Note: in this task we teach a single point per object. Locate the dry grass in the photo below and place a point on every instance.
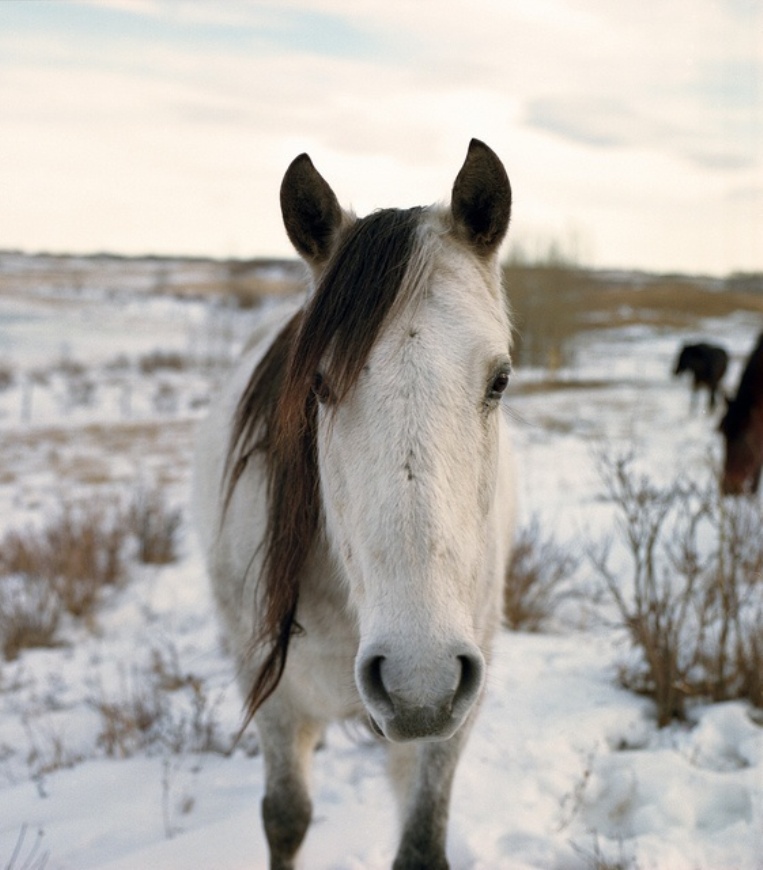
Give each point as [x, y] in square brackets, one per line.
[7, 376]
[155, 527]
[553, 303]
[76, 554]
[131, 721]
[48, 751]
[160, 707]
[30, 612]
[66, 564]
[163, 360]
[676, 302]
[554, 384]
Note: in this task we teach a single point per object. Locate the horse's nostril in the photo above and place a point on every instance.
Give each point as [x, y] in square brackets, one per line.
[396, 689]
[373, 682]
[472, 670]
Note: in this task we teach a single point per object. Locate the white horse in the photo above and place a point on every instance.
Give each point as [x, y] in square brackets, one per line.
[354, 495]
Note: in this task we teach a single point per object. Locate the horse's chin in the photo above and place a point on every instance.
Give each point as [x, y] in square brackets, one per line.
[419, 725]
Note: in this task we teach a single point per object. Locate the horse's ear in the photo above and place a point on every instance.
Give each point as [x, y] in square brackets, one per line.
[311, 212]
[481, 200]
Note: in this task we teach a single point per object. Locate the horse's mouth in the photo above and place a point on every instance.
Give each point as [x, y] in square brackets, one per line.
[419, 724]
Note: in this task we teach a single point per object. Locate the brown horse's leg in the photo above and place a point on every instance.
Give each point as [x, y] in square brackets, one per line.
[286, 807]
[424, 777]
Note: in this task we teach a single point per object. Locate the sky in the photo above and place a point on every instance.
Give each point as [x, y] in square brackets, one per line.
[632, 132]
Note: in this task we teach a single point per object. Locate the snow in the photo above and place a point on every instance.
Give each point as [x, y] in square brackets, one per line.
[564, 768]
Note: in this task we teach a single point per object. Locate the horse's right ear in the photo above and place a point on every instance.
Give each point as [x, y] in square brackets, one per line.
[311, 212]
[481, 200]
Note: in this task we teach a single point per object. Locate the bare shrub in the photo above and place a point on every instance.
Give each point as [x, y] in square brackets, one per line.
[7, 377]
[30, 612]
[155, 526]
[48, 751]
[196, 728]
[65, 564]
[731, 651]
[192, 724]
[78, 553]
[166, 671]
[693, 604]
[78, 385]
[131, 721]
[80, 392]
[535, 578]
[158, 708]
[118, 365]
[162, 360]
[70, 368]
[165, 399]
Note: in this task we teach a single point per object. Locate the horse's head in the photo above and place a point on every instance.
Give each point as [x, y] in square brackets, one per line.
[406, 342]
[683, 362]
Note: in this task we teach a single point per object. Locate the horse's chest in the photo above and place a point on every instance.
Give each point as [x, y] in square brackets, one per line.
[321, 662]
[320, 669]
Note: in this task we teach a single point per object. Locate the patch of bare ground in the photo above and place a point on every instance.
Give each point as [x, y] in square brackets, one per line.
[246, 282]
[99, 453]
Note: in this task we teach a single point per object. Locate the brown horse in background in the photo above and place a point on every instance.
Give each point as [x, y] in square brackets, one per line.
[742, 429]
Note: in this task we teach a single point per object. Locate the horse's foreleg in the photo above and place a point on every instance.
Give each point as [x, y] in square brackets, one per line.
[286, 808]
[423, 776]
[694, 397]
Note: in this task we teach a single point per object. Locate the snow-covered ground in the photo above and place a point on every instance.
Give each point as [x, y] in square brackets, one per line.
[564, 768]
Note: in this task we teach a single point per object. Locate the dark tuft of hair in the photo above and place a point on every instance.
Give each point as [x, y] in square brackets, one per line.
[275, 420]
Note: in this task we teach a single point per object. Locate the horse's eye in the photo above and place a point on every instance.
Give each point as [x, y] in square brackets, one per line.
[499, 384]
[321, 388]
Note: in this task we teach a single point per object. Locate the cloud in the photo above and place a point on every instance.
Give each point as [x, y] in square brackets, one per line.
[601, 122]
[204, 103]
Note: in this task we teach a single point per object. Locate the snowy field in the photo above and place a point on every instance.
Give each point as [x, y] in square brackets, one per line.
[565, 770]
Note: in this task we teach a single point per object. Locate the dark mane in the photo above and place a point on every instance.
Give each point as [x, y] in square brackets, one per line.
[276, 414]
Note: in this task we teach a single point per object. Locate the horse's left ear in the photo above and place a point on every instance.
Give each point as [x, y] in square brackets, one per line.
[311, 213]
[481, 200]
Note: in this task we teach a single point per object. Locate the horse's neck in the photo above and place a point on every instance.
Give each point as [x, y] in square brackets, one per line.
[757, 379]
[756, 419]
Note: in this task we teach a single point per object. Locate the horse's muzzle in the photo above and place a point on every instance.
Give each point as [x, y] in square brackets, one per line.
[409, 701]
